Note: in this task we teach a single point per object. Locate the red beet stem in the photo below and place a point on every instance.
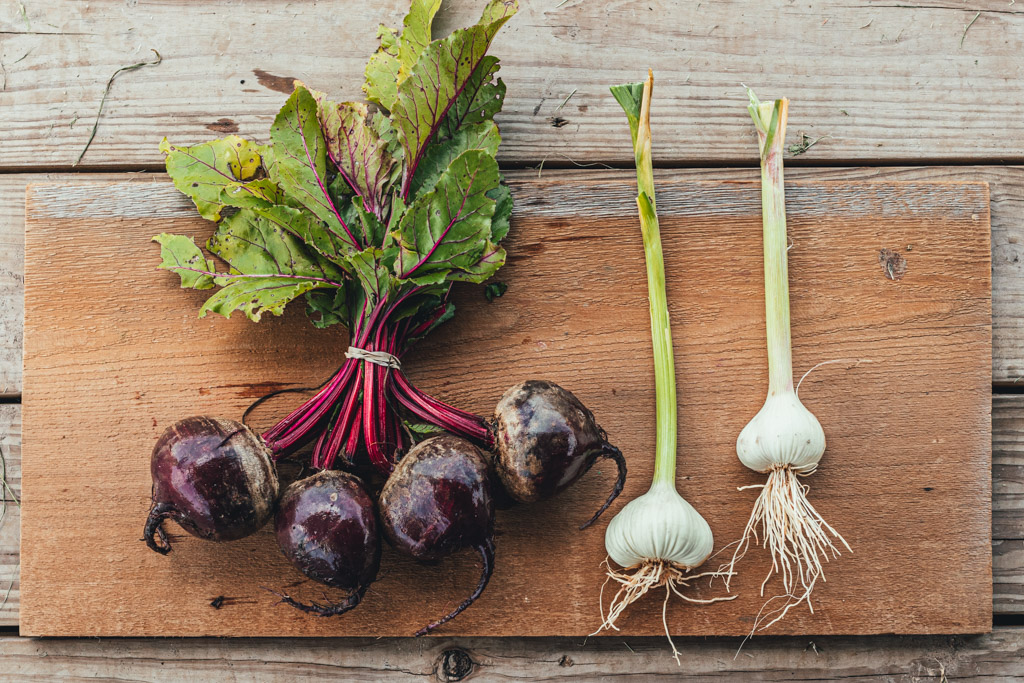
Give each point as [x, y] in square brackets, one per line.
[360, 403]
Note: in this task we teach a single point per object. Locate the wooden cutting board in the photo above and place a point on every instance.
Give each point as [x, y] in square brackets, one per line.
[114, 352]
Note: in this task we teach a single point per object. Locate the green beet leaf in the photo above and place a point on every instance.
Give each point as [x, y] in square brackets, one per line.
[314, 233]
[415, 34]
[216, 174]
[381, 85]
[351, 206]
[438, 78]
[327, 307]
[500, 222]
[449, 227]
[358, 153]
[480, 100]
[440, 155]
[181, 255]
[300, 153]
[255, 295]
[253, 245]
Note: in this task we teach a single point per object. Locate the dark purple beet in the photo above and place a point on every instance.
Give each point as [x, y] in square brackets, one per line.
[437, 502]
[545, 439]
[214, 477]
[327, 527]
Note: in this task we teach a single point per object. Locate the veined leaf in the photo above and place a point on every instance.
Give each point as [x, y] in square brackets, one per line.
[373, 271]
[327, 307]
[500, 222]
[479, 101]
[440, 155]
[255, 295]
[381, 85]
[415, 34]
[253, 245]
[181, 255]
[438, 78]
[397, 55]
[312, 231]
[449, 227]
[363, 224]
[214, 174]
[492, 258]
[356, 150]
[301, 160]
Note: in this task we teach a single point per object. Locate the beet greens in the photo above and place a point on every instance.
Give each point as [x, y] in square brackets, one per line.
[370, 213]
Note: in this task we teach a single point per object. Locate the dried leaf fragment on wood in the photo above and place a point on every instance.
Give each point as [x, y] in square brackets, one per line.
[806, 142]
[968, 27]
[103, 100]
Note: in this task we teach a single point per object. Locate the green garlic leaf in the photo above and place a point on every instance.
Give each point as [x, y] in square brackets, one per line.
[630, 96]
[325, 307]
[214, 174]
[440, 155]
[449, 227]
[255, 295]
[181, 255]
[381, 85]
[479, 101]
[301, 160]
[253, 245]
[438, 78]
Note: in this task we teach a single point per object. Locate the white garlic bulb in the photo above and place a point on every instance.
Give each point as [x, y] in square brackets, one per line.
[659, 525]
[783, 432]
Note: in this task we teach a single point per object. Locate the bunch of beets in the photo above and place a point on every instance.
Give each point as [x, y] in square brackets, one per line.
[370, 213]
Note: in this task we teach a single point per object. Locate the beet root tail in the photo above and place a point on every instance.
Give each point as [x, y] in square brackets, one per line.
[154, 528]
[326, 609]
[486, 551]
[612, 453]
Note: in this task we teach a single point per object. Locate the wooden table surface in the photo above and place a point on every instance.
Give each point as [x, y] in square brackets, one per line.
[895, 90]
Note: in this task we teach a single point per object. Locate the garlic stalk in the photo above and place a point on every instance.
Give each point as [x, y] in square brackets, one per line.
[784, 439]
[659, 537]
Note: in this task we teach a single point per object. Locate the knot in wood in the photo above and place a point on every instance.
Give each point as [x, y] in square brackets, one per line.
[454, 665]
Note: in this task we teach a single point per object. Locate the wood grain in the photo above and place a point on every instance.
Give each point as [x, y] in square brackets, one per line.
[883, 81]
[10, 558]
[123, 354]
[1007, 207]
[889, 659]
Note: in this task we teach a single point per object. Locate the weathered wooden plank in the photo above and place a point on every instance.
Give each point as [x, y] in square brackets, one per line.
[12, 279]
[882, 80]
[574, 310]
[10, 518]
[1007, 207]
[888, 659]
[1007, 506]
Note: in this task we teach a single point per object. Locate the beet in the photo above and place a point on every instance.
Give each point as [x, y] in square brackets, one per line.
[545, 439]
[327, 527]
[437, 502]
[213, 477]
